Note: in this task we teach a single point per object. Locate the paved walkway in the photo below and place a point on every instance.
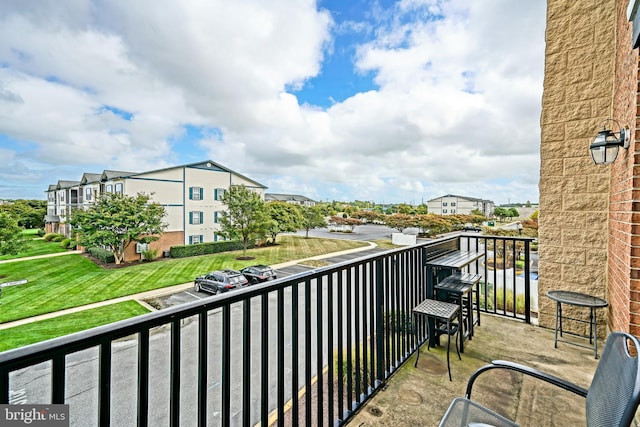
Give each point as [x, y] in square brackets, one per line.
[149, 294]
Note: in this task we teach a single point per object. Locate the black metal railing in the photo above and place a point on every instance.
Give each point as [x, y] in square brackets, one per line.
[304, 350]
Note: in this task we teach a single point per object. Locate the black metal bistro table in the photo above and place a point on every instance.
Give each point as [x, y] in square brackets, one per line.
[444, 312]
[445, 265]
[580, 300]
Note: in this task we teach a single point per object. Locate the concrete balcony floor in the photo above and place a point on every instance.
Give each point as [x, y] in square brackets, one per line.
[420, 396]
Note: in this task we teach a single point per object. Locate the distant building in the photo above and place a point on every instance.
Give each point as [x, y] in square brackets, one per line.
[452, 205]
[294, 199]
[191, 195]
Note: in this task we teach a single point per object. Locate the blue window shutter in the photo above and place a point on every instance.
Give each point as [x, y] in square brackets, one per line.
[201, 194]
[190, 217]
[191, 240]
[190, 193]
[215, 217]
[215, 194]
[201, 238]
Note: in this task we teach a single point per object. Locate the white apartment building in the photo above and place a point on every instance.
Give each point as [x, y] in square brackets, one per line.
[294, 199]
[189, 193]
[452, 205]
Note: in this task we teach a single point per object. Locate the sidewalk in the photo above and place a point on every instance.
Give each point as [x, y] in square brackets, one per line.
[149, 294]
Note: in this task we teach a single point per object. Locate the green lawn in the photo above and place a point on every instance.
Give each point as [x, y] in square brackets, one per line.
[69, 281]
[42, 330]
[35, 246]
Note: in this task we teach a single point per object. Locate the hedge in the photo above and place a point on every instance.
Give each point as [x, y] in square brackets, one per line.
[50, 236]
[102, 254]
[207, 248]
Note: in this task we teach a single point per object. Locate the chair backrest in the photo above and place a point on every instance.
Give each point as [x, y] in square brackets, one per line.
[614, 394]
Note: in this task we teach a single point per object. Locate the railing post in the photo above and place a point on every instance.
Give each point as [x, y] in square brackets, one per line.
[379, 313]
[527, 282]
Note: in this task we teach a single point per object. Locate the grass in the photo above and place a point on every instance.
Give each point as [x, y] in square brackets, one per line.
[19, 336]
[69, 281]
[35, 246]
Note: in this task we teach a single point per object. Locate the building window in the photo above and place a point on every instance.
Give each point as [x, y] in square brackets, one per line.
[88, 193]
[195, 217]
[119, 188]
[141, 247]
[216, 217]
[444, 211]
[453, 211]
[195, 239]
[218, 193]
[444, 203]
[195, 193]
[453, 203]
[109, 188]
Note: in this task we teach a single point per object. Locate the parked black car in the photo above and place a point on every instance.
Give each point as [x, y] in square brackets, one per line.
[220, 281]
[259, 273]
[471, 227]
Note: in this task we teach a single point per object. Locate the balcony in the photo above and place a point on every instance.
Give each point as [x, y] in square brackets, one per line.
[310, 349]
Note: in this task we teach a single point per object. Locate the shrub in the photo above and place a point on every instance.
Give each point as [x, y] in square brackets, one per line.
[102, 254]
[40, 232]
[65, 243]
[50, 236]
[149, 254]
[184, 251]
[59, 238]
[73, 244]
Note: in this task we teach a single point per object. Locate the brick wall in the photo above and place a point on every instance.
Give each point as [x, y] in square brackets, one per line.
[624, 225]
[168, 239]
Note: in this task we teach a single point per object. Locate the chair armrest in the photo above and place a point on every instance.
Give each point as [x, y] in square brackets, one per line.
[502, 364]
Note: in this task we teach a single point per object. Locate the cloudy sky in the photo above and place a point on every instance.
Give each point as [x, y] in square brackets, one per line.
[387, 101]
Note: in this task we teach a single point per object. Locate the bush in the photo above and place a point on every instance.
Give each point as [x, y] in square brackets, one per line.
[149, 254]
[184, 251]
[59, 238]
[65, 243]
[50, 236]
[40, 232]
[102, 254]
[73, 245]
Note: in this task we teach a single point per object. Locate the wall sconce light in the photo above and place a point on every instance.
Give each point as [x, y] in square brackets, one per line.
[605, 146]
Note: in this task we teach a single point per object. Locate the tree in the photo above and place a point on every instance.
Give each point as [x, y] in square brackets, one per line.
[115, 221]
[312, 218]
[283, 218]
[28, 213]
[246, 217]
[11, 240]
[501, 213]
[513, 213]
[422, 209]
[405, 209]
[401, 221]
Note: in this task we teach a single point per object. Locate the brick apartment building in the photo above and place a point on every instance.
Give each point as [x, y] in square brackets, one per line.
[189, 193]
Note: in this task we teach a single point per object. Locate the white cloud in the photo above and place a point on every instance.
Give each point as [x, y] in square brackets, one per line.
[457, 107]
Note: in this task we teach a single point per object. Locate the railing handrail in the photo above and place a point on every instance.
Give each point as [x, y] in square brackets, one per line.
[395, 278]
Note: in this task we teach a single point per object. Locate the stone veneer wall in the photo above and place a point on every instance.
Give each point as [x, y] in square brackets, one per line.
[574, 193]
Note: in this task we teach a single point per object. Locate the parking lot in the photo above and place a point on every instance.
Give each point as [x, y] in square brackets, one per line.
[285, 271]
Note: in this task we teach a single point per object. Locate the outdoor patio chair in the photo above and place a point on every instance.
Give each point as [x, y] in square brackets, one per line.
[611, 400]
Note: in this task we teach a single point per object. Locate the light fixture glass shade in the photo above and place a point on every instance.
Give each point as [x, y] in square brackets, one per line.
[604, 155]
[605, 146]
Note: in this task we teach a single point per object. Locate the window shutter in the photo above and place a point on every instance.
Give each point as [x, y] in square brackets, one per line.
[190, 217]
[201, 194]
[215, 217]
[191, 240]
[215, 194]
[190, 193]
